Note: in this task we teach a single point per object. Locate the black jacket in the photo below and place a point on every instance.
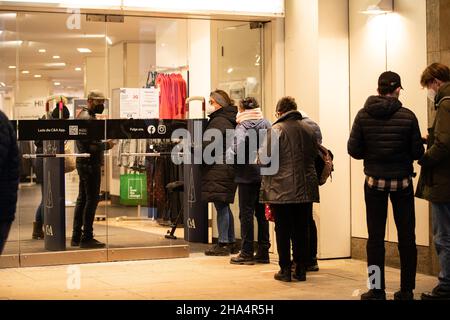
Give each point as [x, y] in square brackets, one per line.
[434, 182]
[387, 137]
[94, 147]
[218, 179]
[296, 180]
[9, 169]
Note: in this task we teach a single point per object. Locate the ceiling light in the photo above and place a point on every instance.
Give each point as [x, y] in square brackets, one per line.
[55, 64]
[230, 70]
[383, 7]
[2, 84]
[77, 69]
[57, 83]
[56, 57]
[84, 50]
[37, 76]
[25, 72]
[12, 67]
[94, 36]
[42, 50]
[109, 41]
[1, 31]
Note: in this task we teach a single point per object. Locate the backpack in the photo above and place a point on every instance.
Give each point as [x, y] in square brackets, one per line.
[324, 164]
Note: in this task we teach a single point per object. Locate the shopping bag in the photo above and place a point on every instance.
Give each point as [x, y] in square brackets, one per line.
[270, 213]
[133, 189]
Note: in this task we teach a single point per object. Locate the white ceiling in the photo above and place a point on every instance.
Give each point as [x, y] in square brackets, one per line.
[49, 31]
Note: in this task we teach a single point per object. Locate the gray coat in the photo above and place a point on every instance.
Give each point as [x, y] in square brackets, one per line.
[296, 180]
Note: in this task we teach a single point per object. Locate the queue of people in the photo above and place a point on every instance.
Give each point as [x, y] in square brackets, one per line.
[385, 135]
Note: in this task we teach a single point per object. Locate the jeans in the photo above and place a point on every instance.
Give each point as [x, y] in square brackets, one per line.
[225, 222]
[5, 226]
[291, 225]
[248, 206]
[441, 235]
[87, 201]
[405, 221]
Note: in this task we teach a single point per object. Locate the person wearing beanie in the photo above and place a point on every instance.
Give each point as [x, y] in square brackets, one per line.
[250, 125]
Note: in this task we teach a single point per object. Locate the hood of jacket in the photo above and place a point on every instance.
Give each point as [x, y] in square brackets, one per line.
[444, 91]
[254, 124]
[228, 112]
[382, 107]
[291, 115]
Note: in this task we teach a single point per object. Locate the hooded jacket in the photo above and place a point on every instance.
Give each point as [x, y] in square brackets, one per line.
[434, 181]
[9, 170]
[296, 180]
[248, 172]
[387, 137]
[218, 179]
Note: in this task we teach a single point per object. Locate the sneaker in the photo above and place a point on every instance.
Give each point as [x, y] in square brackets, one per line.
[243, 259]
[374, 294]
[218, 249]
[283, 275]
[404, 295]
[438, 293]
[262, 257]
[91, 244]
[313, 268]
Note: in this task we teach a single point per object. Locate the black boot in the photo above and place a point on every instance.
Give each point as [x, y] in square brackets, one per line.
[38, 233]
[374, 294]
[283, 275]
[76, 238]
[300, 273]
[262, 256]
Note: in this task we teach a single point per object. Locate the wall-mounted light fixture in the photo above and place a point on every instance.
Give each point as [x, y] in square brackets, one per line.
[383, 7]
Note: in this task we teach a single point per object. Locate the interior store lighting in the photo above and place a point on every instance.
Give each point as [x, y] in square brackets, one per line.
[383, 7]
[56, 57]
[25, 72]
[12, 67]
[57, 83]
[42, 50]
[84, 50]
[2, 84]
[55, 64]
[77, 69]
[37, 76]
[109, 41]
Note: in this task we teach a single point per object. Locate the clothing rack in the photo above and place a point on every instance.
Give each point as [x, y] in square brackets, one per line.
[162, 69]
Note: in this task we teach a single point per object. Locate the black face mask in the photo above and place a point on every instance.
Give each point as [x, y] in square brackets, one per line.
[99, 108]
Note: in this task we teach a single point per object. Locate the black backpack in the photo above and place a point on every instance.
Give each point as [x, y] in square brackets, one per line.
[324, 165]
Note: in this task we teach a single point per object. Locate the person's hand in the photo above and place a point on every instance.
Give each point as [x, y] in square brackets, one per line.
[425, 139]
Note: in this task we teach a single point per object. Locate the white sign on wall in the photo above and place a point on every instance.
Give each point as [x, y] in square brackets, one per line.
[149, 103]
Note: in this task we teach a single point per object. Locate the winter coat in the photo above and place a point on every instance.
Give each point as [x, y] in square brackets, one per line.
[248, 172]
[218, 179]
[296, 180]
[94, 147]
[434, 181]
[9, 169]
[387, 137]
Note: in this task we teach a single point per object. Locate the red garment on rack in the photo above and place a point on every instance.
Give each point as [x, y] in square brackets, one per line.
[172, 96]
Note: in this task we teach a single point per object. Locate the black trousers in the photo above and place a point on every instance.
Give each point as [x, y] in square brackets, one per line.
[291, 226]
[87, 201]
[312, 238]
[249, 206]
[5, 227]
[405, 221]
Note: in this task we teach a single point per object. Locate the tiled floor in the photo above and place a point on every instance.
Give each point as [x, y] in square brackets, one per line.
[197, 277]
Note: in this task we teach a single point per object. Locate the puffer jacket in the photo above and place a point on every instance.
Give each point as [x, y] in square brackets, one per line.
[9, 170]
[218, 179]
[434, 181]
[296, 180]
[387, 137]
[94, 147]
[248, 172]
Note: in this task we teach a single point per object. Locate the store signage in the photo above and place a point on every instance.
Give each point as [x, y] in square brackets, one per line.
[143, 128]
[268, 8]
[61, 129]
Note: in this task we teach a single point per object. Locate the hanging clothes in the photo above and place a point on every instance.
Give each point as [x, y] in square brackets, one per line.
[172, 96]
